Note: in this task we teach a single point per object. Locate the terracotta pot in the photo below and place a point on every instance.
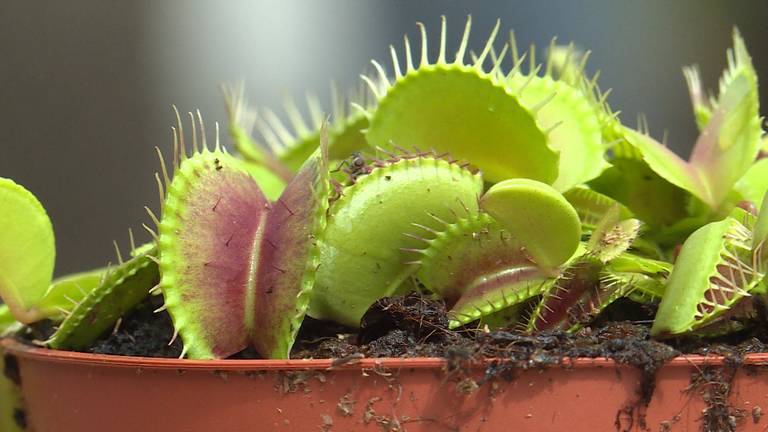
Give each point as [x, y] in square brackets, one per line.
[69, 391]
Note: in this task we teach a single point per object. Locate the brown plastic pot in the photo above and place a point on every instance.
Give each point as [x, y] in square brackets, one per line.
[69, 391]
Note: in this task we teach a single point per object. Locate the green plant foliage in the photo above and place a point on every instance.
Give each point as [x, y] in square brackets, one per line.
[575, 129]
[730, 137]
[120, 289]
[236, 268]
[480, 270]
[27, 222]
[326, 215]
[544, 222]
[715, 269]
[634, 184]
[68, 290]
[463, 109]
[612, 235]
[292, 146]
[27, 251]
[10, 393]
[592, 206]
[371, 229]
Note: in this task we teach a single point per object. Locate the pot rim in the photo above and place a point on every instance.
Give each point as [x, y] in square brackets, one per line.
[20, 349]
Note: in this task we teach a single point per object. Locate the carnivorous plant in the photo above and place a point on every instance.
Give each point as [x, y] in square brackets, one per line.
[505, 186]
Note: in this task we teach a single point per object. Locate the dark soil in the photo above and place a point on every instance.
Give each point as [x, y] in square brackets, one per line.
[141, 333]
[417, 326]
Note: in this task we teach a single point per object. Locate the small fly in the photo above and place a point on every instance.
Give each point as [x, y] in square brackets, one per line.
[356, 166]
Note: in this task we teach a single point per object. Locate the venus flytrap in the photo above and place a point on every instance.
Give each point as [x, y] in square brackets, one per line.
[236, 267]
[716, 269]
[282, 148]
[485, 264]
[553, 203]
[480, 269]
[465, 109]
[119, 289]
[569, 114]
[27, 252]
[378, 222]
[82, 305]
[602, 274]
[730, 134]
[676, 197]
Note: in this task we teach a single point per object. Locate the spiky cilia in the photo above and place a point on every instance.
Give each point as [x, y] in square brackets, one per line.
[459, 108]
[282, 149]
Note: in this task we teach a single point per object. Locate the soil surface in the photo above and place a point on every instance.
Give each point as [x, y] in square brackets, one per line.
[417, 326]
[141, 333]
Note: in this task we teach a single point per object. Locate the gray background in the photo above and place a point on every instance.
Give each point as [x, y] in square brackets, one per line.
[87, 84]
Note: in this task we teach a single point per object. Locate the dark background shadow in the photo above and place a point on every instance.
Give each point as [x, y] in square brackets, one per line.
[87, 85]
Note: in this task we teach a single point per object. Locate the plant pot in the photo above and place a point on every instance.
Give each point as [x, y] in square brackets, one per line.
[70, 391]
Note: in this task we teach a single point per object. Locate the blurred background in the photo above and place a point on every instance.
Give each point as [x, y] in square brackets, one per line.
[87, 84]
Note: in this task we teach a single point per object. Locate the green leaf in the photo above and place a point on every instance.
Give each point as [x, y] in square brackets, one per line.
[68, 290]
[119, 290]
[27, 251]
[754, 184]
[463, 109]
[633, 183]
[669, 166]
[479, 270]
[713, 271]
[761, 225]
[538, 216]
[377, 224]
[728, 144]
[612, 236]
[575, 127]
